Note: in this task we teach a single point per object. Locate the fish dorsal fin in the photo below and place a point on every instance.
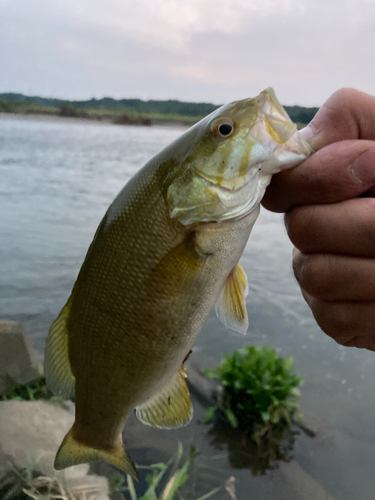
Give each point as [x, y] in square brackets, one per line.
[59, 377]
[171, 407]
[231, 304]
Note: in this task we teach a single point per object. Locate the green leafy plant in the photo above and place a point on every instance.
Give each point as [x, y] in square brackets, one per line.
[259, 392]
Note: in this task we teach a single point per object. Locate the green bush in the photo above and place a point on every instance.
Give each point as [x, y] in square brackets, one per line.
[259, 390]
[4, 107]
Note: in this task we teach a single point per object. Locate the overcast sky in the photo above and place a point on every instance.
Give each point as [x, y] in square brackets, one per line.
[192, 50]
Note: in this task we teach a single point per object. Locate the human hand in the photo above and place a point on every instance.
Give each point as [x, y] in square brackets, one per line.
[332, 229]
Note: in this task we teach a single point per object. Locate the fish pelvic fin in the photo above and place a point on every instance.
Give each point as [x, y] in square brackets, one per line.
[171, 408]
[231, 305]
[72, 452]
[59, 376]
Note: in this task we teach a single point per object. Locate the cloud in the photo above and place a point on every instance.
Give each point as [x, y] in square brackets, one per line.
[193, 50]
[163, 22]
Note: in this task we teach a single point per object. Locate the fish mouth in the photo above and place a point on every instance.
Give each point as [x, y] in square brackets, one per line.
[214, 199]
[237, 197]
[229, 185]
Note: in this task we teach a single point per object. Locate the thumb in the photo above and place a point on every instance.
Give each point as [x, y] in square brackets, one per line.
[347, 114]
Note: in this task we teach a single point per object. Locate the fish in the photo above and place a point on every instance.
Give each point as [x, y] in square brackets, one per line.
[166, 252]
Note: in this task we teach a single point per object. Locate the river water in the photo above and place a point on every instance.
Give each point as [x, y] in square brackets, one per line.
[57, 178]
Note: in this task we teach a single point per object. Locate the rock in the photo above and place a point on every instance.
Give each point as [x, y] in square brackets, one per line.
[19, 363]
[30, 434]
[302, 483]
[204, 389]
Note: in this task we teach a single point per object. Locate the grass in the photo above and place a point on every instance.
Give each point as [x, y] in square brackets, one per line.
[31, 392]
[165, 480]
[259, 391]
[26, 484]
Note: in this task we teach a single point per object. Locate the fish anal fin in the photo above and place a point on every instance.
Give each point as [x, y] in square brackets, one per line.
[57, 369]
[231, 304]
[73, 452]
[171, 408]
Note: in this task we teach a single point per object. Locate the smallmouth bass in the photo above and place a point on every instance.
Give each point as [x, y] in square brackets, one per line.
[165, 253]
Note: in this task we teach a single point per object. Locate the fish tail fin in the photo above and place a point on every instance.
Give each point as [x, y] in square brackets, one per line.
[72, 452]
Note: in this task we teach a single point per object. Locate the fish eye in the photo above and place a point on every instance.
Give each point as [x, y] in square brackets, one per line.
[223, 128]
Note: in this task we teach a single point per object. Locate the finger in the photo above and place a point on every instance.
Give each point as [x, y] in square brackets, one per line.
[347, 227]
[332, 277]
[347, 114]
[338, 172]
[348, 323]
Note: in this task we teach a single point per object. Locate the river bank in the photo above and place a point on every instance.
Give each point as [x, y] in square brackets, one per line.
[100, 118]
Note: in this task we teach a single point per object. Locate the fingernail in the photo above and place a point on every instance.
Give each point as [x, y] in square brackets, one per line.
[361, 168]
[307, 133]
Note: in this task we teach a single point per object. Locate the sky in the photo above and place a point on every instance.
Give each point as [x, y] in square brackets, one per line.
[192, 50]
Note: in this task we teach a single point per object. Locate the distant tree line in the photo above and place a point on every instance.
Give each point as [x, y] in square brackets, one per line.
[171, 107]
[299, 114]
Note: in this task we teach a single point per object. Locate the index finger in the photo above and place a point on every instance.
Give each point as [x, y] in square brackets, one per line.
[342, 133]
[338, 172]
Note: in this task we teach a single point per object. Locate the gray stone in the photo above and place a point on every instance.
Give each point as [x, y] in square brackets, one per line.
[19, 363]
[30, 434]
[300, 482]
[205, 390]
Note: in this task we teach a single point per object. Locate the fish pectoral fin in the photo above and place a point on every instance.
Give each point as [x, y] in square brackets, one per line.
[231, 304]
[59, 376]
[178, 269]
[72, 452]
[170, 408]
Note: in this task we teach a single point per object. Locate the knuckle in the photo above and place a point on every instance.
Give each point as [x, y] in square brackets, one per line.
[313, 273]
[369, 230]
[298, 223]
[334, 319]
[361, 342]
[348, 323]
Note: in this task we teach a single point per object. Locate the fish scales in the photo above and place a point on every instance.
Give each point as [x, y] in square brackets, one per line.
[165, 253]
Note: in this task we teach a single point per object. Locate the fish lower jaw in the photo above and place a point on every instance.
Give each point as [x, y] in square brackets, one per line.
[241, 211]
[234, 212]
[251, 199]
[225, 204]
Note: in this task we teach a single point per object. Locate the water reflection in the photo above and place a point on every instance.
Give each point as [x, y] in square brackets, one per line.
[245, 454]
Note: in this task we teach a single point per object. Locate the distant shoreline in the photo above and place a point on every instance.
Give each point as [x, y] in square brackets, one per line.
[124, 111]
[47, 118]
[75, 119]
